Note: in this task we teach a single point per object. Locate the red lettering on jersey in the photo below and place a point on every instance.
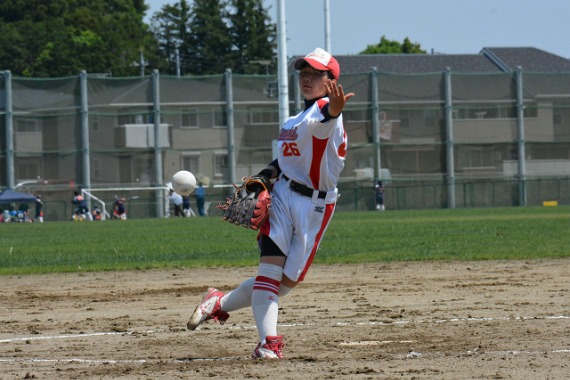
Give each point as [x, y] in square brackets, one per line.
[288, 134]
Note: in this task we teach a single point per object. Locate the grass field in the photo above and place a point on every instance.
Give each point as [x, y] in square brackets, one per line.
[353, 237]
[443, 294]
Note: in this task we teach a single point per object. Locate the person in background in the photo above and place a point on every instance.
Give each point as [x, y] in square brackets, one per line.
[39, 209]
[119, 208]
[200, 194]
[379, 194]
[81, 211]
[96, 213]
[186, 211]
[23, 213]
[14, 216]
[176, 200]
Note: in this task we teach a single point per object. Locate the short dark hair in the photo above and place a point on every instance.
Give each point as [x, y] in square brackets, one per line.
[306, 64]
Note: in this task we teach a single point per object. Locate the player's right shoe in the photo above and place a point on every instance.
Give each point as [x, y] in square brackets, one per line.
[272, 349]
[209, 308]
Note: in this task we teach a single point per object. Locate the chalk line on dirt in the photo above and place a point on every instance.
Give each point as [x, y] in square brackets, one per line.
[71, 336]
[370, 323]
[111, 361]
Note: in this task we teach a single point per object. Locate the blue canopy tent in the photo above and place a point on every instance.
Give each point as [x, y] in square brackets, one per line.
[11, 196]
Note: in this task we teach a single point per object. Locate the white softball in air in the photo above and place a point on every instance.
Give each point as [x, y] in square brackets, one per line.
[183, 182]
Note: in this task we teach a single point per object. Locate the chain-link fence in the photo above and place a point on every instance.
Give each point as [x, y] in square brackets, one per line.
[437, 140]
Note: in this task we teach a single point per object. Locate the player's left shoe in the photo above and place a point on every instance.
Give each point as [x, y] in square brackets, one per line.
[272, 349]
[209, 308]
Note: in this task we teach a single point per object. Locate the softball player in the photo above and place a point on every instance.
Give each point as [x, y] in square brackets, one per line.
[312, 149]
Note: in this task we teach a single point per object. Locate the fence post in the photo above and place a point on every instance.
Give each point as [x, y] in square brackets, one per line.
[157, 144]
[449, 141]
[85, 152]
[375, 124]
[520, 139]
[230, 121]
[10, 177]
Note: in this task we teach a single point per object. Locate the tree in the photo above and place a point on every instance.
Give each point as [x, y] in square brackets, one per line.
[171, 29]
[212, 36]
[209, 39]
[394, 47]
[253, 37]
[60, 38]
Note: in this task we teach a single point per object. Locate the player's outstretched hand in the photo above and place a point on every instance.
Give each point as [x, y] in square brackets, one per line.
[337, 98]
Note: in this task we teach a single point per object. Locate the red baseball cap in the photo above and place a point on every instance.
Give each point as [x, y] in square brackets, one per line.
[320, 60]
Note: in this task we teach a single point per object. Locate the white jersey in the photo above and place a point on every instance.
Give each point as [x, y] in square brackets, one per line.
[315, 160]
[312, 151]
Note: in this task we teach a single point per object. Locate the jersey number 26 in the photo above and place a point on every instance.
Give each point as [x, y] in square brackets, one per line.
[290, 149]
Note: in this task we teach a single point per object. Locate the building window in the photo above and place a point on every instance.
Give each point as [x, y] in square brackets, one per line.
[142, 167]
[95, 122]
[498, 111]
[358, 114]
[556, 117]
[477, 157]
[135, 118]
[506, 112]
[272, 89]
[263, 116]
[404, 118]
[430, 118]
[221, 164]
[530, 110]
[28, 168]
[27, 125]
[190, 162]
[220, 118]
[96, 168]
[189, 118]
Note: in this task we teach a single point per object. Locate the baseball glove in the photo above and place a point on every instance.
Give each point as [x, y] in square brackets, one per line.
[250, 203]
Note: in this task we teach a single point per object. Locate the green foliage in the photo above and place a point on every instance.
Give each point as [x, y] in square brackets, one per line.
[170, 29]
[61, 38]
[386, 46]
[472, 234]
[253, 37]
[212, 36]
[209, 39]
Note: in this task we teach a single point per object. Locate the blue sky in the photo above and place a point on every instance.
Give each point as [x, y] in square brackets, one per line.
[441, 26]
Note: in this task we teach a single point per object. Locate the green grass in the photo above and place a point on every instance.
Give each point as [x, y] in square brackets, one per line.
[472, 234]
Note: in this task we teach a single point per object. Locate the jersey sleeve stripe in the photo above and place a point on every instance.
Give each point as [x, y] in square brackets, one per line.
[319, 146]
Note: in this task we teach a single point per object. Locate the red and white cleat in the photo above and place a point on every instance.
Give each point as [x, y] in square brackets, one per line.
[209, 308]
[272, 349]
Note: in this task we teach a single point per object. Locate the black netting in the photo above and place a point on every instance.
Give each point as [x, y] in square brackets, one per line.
[123, 134]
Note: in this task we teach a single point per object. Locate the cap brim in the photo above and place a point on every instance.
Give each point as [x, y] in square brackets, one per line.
[314, 64]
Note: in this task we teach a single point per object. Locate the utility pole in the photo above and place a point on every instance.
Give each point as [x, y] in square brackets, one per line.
[141, 63]
[282, 64]
[328, 26]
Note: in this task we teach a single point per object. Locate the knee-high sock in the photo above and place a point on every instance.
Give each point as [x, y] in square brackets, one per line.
[265, 299]
[240, 297]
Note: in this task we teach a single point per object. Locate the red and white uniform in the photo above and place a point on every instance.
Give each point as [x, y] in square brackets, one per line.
[312, 151]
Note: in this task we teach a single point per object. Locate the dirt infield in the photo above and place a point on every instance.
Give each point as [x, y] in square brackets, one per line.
[444, 320]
